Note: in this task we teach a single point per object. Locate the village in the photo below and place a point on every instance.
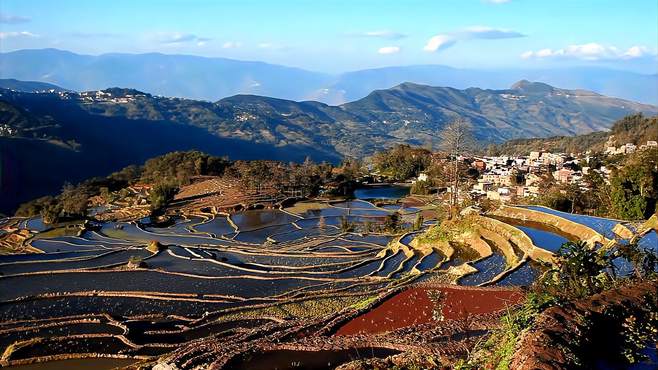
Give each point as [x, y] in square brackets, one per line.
[507, 178]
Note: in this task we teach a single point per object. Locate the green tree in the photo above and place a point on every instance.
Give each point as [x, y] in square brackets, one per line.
[581, 271]
[74, 200]
[402, 162]
[634, 186]
[160, 195]
[51, 212]
[418, 223]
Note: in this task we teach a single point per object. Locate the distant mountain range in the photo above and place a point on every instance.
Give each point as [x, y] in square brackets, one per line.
[49, 138]
[211, 79]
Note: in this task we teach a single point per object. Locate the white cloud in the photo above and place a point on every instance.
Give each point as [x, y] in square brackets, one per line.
[637, 52]
[15, 34]
[389, 50]
[497, 1]
[13, 19]
[439, 42]
[591, 51]
[446, 40]
[231, 45]
[271, 46]
[382, 34]
[177, 38]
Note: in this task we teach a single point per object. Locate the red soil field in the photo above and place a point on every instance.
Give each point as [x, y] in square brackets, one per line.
[414, 306]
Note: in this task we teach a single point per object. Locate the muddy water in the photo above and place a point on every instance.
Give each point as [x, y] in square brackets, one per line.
[309, 360]
[543, 236]
[423, 305]
[256, 219]
[78, 364]
[601, 225]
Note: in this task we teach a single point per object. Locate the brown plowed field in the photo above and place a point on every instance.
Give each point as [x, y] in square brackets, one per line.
[423, 305]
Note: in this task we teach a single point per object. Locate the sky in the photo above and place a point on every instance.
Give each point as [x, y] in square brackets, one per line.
[342, 35]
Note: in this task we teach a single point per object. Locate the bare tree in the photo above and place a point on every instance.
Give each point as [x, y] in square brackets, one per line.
[456, 140]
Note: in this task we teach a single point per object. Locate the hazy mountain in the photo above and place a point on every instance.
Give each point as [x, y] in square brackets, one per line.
[215, 78]
[28, 86]
[623, 84]
[47, 138]
[169, 75]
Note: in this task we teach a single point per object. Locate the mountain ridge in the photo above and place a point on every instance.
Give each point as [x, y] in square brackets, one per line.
[213, 78]
[43, 134]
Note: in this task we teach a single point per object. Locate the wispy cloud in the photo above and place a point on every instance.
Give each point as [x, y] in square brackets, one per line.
[17, 34]
[13, 19]
[591, 51]
[93, 35]
[177, 38]
[389, 50]
[381, 34]
[446, 40]
[231, 45]
[496, 1]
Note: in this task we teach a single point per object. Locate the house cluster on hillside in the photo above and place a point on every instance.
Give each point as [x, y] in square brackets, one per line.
[506, 177]
[627, 148]
[102, 96]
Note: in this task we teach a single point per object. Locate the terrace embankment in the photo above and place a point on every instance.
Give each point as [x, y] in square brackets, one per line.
[516, 236]
[221, 194]
[577, 334]
[579, 231]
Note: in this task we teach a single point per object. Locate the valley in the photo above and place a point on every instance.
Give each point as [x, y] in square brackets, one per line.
[51, 130]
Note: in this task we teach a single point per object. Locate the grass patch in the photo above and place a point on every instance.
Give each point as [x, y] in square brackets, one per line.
[63, 229]
[364, 303]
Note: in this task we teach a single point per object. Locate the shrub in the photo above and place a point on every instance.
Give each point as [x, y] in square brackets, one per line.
[154, 246]
[420, 188]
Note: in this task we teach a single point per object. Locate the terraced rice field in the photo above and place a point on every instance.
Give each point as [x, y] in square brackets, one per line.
[207, 266]
[104, 292]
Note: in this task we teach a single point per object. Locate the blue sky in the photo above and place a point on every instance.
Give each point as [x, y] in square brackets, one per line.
[342, 35]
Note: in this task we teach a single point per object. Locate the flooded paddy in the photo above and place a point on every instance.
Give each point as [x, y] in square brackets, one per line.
[311, 360]
[488, 268]
[226, 275]
[382, 192]
[599, 224]
[541, 235]
[523, 276]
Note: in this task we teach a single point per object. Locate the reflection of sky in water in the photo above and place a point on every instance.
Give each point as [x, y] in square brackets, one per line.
[525, 276]
[382, 192]
[430, 261]
[649, 241]
[488, 268]
[601, 225]
[543, 239]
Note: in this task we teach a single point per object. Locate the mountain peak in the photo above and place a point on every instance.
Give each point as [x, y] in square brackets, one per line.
[532, 87]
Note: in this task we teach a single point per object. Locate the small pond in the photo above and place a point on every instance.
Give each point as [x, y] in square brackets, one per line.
[382, 192]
